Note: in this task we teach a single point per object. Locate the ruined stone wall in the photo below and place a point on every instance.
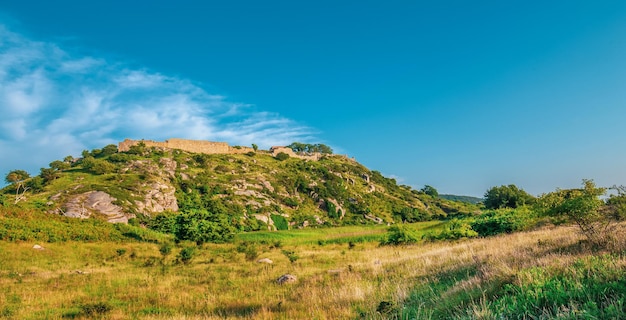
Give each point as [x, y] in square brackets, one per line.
[196, 146]
[209, 147]
[307, 156]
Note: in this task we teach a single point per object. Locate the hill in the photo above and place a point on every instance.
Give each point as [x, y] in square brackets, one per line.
[233, 188]
[467, 199]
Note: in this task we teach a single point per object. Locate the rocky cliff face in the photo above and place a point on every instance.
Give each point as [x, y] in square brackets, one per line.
[91, 203]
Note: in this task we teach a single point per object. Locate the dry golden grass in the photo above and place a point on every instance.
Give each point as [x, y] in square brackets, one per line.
[66, 280]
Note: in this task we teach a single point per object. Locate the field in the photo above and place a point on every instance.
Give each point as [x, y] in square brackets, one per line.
[342, 273]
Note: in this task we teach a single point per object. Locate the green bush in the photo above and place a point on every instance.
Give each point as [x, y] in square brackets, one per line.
[165, 249]
[399, 235]
[97, 166]
[187, 254]
[502, 221]
[249, 249]
[95, 309]
[281, 156]
[456, 229]
[291, 255]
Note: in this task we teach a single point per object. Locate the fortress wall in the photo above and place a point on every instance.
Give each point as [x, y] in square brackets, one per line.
[209, 147]
[196, 146]
[240, 150]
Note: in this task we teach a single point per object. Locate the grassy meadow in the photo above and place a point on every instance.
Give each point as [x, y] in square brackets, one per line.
[343, 273]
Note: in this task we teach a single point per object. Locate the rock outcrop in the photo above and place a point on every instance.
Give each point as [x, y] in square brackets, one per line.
[158, 198]
[94, 202]
[286, 278]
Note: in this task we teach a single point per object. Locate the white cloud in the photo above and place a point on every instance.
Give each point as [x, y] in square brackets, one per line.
[54, 104]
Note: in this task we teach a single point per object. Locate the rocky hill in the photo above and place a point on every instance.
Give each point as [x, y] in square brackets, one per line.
[255, 190]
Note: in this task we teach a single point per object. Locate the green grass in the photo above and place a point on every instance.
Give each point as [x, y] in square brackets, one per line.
[18, 224]
[591, 288]
[339, 235]
[541, 274]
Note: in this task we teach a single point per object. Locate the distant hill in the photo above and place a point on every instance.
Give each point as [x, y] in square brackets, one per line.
[466, 199]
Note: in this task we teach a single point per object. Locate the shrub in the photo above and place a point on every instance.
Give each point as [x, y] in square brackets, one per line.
[95, 309]
[97, 166]
[165, 249]
[584, 208]
[456, 229]
[249, 249]
[281, 156]
[222, 168]
[502, 221]
[400, 234]
[507, 197]
[291, 255]
[186, 255]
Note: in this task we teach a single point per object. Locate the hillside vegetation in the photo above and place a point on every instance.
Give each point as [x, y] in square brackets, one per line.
[230, 193]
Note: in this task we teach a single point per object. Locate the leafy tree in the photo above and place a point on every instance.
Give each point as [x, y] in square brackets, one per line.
[97, 166]
[616, 203]
[305, 147]
[583, 207]
[255, 147]
[108, 150]
[59, 165]
[507, 197]
[48, 174]
[16, 176]
[430, 190]
[138, 149]
[202, 226]
[297, 147]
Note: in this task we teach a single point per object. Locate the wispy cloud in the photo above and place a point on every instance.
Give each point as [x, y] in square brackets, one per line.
[55, 103]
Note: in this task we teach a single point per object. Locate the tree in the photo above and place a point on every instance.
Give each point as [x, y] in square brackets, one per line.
[431, 191]
[16, 176]
[97, 166]
[583, 207]
[310, 148]
[59, 165]
[108, 150]
[617, 202]
[507, 197]
[255, 147]
[48, 174]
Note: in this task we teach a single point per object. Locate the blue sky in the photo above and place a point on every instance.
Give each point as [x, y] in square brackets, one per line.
[460, 95]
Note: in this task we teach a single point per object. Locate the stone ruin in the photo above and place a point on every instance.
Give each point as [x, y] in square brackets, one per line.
[210, 147]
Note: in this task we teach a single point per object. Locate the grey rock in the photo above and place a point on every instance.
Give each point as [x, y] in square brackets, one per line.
[286, 278]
